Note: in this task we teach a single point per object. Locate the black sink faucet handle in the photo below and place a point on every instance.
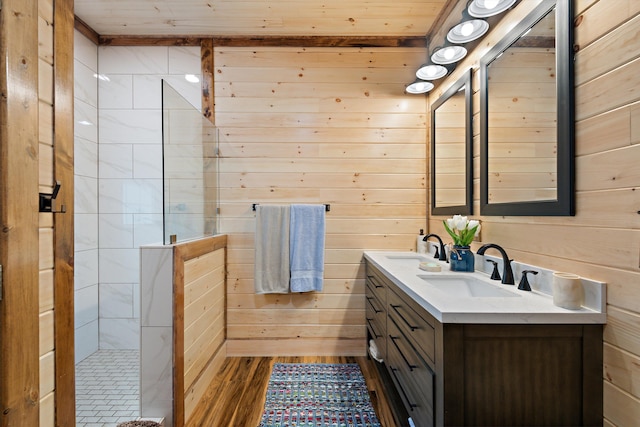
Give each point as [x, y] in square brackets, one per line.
[524, 282]
[495, 275]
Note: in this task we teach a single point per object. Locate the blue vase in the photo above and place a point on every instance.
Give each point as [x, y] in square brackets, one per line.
[462, 259]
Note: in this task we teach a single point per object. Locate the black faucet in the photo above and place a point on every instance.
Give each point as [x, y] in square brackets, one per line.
[507, 273]
[442, 256]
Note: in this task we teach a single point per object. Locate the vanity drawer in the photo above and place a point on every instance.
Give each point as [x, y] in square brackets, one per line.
[412, 324]
[379, 338]
[374, 304]
[376, 285]
[412, 376]
[376, 321]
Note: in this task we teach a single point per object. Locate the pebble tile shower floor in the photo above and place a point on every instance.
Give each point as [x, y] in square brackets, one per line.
[108, 388]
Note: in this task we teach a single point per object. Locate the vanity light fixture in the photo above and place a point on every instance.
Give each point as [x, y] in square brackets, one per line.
[419, 86]
[448, 54]
[486, 8]
[469, 29]
[431, 71]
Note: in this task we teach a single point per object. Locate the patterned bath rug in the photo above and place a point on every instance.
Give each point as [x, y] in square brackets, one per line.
[317, 395]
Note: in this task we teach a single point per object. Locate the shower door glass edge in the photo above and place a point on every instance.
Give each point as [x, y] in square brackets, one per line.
[189, 170]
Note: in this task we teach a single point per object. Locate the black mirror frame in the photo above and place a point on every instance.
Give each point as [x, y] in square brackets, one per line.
[467, 208]
[564, 205]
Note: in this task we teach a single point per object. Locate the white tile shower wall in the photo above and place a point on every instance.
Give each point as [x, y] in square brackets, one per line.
[86, 196]
[86, 338]
[156, 352]
[130, 173]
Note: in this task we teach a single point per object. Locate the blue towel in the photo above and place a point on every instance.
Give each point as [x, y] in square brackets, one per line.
[306, 247]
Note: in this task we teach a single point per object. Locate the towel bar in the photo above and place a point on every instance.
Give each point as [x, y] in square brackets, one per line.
[327, 207]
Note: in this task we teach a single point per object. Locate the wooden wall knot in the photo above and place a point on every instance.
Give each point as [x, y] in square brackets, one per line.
[578, 20]
[34, 397]
[32, 151]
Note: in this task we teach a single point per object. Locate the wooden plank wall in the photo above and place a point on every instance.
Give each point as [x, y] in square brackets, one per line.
[602, 241]
[45, 182]
[317, 125]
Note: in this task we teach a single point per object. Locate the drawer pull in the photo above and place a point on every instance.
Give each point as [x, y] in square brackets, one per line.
[406, 322]
[409, 365]
[375, 334]
[404, 393]
[370, 299]
[375, 282]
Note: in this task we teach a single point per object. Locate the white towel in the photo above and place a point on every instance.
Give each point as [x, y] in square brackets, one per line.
[271, 275]
[306, 247]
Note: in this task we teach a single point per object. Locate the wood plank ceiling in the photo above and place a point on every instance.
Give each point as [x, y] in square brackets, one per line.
[262, 18]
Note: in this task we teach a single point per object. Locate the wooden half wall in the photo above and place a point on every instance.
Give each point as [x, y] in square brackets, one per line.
[183, 321]
[200, 322]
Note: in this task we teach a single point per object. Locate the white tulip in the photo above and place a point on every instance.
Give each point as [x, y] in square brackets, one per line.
[460, 222]
[474, 223]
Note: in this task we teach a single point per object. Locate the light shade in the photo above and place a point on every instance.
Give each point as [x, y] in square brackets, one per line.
[419, 86]
[486, 8]
[467, 31]
[448, 54]
[431, 71]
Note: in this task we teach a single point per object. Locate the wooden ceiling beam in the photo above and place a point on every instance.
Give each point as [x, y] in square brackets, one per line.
[268, 41]
[86, 30]
[149, 41]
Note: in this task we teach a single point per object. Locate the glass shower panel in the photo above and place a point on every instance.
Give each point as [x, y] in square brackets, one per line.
[190, 169]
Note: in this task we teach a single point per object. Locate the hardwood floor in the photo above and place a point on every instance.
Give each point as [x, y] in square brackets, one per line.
[236, 396]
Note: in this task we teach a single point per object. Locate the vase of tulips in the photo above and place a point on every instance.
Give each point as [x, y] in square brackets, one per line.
[462, 230]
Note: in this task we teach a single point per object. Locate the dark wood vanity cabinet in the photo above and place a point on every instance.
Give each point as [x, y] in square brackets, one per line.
[485, 374]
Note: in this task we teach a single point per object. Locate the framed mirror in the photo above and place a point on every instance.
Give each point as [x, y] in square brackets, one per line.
[452, 150]
[527, 117]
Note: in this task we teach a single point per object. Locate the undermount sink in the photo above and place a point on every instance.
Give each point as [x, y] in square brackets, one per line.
[465, 286]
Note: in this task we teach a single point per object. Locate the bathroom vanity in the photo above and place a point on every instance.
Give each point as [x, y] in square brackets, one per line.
[494, 357]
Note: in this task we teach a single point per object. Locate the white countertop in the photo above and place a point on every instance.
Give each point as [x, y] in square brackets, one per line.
[520, 307]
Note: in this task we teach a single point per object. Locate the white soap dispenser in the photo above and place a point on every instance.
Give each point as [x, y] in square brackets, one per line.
[421, 245]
